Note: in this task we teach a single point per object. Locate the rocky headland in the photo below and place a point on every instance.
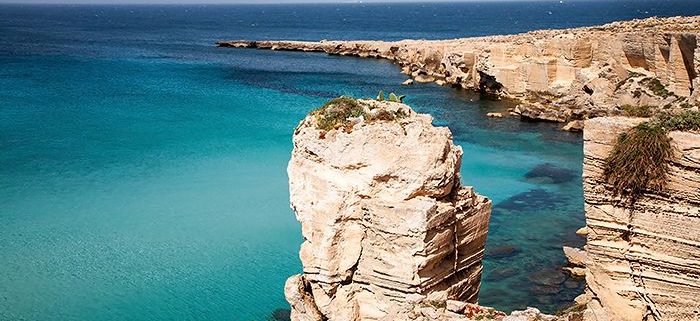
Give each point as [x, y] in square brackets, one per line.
[556, 75]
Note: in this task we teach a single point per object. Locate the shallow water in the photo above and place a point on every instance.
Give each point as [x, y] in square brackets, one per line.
[142, 170]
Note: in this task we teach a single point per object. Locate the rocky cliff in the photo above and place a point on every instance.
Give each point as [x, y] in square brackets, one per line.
[389, 231]
[558, 75]
[643, 258]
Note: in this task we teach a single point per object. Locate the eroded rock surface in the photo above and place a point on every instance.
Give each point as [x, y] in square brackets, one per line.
[389, 231]
[558, 75]
[643, 259]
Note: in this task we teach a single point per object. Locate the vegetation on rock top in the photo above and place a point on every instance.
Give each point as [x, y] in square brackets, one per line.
[640, 159]
[339, 113]
[335, 113]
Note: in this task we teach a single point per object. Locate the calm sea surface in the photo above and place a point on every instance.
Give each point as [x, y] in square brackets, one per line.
[142, 169]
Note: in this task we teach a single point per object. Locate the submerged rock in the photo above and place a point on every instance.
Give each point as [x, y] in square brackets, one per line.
[502, 251]
[551, 173]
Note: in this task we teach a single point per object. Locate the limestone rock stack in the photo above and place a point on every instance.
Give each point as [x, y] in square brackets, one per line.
[389, 231]
[643, 260]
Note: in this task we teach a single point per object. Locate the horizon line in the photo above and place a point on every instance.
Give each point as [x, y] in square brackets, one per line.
[274, 2]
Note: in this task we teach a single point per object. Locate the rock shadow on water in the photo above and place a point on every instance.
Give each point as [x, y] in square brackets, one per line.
[280, 314]
[549, 173]
[534, 199]
[500, 252]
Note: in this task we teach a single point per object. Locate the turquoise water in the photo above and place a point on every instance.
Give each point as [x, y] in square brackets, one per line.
[143, 171]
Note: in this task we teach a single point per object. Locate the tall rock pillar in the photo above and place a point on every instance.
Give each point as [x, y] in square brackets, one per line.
[387, 225]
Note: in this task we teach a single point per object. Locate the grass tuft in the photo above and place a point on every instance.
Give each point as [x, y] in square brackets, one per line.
[655, 85]
[637, 111]
[641, 156]
[639, 160]
[335, 113]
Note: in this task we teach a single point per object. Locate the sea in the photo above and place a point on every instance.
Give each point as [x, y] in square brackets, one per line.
[143, 169]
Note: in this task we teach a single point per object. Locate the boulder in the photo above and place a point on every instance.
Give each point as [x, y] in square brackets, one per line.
[576, 257]
[573, 126]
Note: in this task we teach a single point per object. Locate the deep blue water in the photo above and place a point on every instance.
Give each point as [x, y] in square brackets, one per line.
[142, 169]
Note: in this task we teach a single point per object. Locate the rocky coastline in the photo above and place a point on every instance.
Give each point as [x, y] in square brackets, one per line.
[555, 75]
[390, 232]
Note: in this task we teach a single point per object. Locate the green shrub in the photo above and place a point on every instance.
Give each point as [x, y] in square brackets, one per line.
[686, 120]
[639, 160]
[657, 87]
[637, 111]
[396, 98]
[336, 112]
[385, 115]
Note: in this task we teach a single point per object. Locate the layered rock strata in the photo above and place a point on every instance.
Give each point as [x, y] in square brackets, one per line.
[643, 258]
[558, 75]
[389, 231]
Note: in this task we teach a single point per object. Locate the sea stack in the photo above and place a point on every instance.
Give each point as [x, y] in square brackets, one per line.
[389, 231]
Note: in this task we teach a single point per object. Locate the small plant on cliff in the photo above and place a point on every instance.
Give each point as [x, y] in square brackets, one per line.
[640, 158]
[380, 96]
[335, 113]
[637, 111]
[392, 97]
[396, 98]
[657, 87]
[386, 115]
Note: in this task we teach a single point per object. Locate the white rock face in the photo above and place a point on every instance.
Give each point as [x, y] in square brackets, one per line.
[389, 231]
[643, 260]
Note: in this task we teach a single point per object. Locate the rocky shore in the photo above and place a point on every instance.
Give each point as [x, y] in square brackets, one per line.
[556, 75]
[390, 232]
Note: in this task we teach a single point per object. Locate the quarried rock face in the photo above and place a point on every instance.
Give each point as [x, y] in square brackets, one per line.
[389, 231]
[643, 259]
